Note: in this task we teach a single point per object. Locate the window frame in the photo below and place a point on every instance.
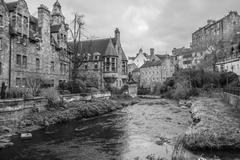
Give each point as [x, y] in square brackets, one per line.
[19, 60]
[24, 61]
[52, 67]
[1, 20]
[1, 43]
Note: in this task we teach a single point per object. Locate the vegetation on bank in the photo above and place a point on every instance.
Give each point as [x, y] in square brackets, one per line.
[215, 126]
[191, 82]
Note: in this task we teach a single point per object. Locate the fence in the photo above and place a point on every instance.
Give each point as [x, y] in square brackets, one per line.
[232, 90]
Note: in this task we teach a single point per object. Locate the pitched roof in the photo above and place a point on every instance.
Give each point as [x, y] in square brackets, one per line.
[131, 58]
[55, 28]
[151, 64]
[103, 46]
[136, 70]
[33, 20]
[12, 5]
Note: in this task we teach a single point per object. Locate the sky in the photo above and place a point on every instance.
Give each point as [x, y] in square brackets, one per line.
[159, 24]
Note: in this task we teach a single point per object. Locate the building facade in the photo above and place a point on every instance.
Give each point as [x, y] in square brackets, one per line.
[215, 31]
[183, 57]
[30, 46]
[231, 64]
[140, 58]
[105, 60]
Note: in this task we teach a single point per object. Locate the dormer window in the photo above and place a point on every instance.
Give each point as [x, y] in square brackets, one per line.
[96, 57]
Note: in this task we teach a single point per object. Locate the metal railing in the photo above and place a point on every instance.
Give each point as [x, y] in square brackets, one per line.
[232, 90]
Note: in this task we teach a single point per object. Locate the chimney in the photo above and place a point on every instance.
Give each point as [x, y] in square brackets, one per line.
[117, 34]
[151, 51]
[210, 21]
[44, 23]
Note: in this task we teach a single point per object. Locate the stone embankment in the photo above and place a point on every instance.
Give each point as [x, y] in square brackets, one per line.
[216, 126]
[35, 119]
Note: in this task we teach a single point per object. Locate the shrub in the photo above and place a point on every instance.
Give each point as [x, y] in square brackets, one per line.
[180, 92]
[53, 97]
[15, 93]
[143, 91]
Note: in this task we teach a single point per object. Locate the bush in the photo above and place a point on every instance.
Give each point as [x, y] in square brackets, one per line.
[143, 91]
[180, 92]
[53, 97]
[15, 93]
[73, 87]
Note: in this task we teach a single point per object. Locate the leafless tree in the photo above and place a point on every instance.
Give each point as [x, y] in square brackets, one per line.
[75, 55]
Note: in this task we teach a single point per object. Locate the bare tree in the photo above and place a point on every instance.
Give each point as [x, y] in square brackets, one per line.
[75, 55]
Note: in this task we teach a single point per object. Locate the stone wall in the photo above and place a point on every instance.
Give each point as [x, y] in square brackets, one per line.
[13, 111]
[232, 99]
[4, 49]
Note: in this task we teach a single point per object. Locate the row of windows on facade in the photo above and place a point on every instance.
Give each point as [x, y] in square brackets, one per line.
[154, 79]
[110, 65]
[22, 63]
[233, 68]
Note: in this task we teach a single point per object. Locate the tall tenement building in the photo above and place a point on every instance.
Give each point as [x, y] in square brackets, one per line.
[31, 46]
[222, 30]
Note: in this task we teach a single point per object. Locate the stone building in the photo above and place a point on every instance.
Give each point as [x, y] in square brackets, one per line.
[157, 70]
[184, 57]
[105, 60]
[31, 46]
[151, 73]
[139, 59]
[222, 30]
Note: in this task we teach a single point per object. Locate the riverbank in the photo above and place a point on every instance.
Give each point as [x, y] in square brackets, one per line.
[35, 119]
[216, 126]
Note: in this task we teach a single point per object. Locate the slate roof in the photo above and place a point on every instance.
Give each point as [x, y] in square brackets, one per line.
[12, 5]
[136, 70]
[33, 20]
[55, 28]
[151, 64]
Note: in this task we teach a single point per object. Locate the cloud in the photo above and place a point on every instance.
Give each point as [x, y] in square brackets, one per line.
[161, 24]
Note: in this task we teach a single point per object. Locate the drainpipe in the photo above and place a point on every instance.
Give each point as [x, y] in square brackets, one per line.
[10, 62]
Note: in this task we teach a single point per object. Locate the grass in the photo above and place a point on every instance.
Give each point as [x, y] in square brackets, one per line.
[218, 128]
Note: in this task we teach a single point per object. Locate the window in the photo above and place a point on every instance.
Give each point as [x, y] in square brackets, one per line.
[107, 64]
[64, 68]
[86, 66]
[61, 67]
[52, 66]
[18, 82]
[1, 44]
[0, 68]
[18, 62]
[1, 20]
[18, 39]
[96, 65]
[37, 63]
[24, 62]
[96, 57]
[24, 82]
[113, 64]
[25, 23]
[19, 20]
[13, 20]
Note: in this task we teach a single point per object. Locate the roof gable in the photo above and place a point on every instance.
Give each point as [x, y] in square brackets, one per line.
[151, 64]
[110, 50]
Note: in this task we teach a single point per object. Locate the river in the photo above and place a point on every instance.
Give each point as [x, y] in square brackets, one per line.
[133, 133]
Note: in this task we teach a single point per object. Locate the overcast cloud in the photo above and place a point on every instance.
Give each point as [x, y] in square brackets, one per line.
[161, 24]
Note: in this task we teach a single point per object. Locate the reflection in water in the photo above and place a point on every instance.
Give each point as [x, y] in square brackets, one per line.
[131, 133]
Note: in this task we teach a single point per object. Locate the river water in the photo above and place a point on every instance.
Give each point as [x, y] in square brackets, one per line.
[135, 132]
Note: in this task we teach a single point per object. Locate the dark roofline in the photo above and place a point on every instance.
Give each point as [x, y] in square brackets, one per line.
[207, 25]
[151, 64]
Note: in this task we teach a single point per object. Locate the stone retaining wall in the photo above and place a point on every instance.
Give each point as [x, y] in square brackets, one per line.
[232, 99]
